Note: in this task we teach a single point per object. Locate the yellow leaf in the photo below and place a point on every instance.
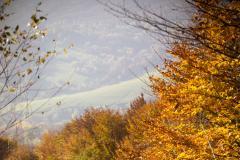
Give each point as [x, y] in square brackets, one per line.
[29, 71]
[65, 51]
[11, 89]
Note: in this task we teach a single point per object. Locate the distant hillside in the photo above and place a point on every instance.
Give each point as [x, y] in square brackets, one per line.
[58, 110]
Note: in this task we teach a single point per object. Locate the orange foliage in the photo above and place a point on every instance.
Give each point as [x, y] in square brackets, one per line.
[94, 135]
[196, 113]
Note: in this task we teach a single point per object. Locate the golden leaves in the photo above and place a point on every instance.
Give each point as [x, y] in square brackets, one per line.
[7, 2]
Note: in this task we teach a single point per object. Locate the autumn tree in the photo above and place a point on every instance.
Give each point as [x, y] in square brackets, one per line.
[6, 147]
[196, 113]
[50, 147]
[21, 63]
[94, 135]
[11, 150]
[135, 105]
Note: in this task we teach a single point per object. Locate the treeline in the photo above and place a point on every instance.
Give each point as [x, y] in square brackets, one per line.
[95, 135]
[196, 112]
